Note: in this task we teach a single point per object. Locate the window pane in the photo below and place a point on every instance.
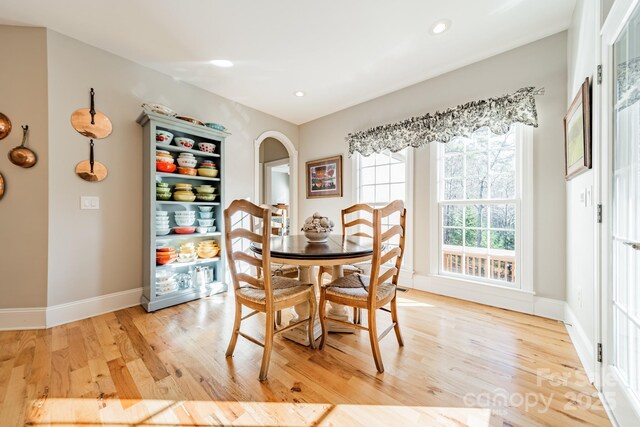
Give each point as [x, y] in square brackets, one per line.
[453, 166]
[502, 161]
[505, 240]
[452, 216]
[367, 176]
[475, 238]
[453, 189]
[367, 161]
[454, 146]
[452, 236]
[367, 194]
[503, 216]
[477, 188]
[476, 216]
[477, 165]
[479, 141]
[503, 141]
[382, 174]
[503, 187]
[381, 159]
[398, 172]
[382, 193]
[397, 192]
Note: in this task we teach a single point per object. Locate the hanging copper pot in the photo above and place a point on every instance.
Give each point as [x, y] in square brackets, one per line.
[91, 123]
[21, 155]
[5, 126]
[91, 170]
[1, 186]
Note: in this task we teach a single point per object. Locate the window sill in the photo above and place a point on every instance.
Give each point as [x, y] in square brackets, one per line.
[438, 280]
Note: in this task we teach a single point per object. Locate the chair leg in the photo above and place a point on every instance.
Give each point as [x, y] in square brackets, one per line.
[320, 274]
[268, 344]
[323, 320]
[394, 319]
[312, 317]
[373, 337]
[279, 318]
[236, 329]
[356, 315]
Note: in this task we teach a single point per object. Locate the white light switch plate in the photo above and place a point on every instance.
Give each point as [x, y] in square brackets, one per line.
[89, 202]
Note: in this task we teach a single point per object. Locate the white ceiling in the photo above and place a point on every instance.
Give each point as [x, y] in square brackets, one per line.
[339, 52]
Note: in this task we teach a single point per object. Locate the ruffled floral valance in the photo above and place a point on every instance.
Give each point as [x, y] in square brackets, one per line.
[498, 114]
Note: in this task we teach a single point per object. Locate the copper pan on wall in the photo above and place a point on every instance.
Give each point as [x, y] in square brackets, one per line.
[21, 155]
[91, 170]
[91, 123]
[1, 186]
[5, 126]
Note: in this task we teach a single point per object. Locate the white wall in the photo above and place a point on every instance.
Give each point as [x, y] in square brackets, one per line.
[279, 188]
[94, 253]
[540, 64]
[582, 63]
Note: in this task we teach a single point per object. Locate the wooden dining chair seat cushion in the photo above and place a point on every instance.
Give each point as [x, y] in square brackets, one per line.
[356, 287]
[283, 288]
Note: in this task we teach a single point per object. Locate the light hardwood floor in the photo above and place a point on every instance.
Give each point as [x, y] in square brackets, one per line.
[462, 364]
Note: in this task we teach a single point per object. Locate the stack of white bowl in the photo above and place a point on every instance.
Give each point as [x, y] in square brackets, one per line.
[206, 220]
[162, 223]
[165, 283]
[185, 218]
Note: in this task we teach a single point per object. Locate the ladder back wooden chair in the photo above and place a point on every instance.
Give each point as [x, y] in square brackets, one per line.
[347, 226]
[373, 292]
[267, 294]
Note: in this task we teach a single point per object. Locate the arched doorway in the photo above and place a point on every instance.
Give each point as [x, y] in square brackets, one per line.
[293, 172]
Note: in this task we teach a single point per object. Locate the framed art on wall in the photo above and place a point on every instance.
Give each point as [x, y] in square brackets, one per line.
[577, 134]
[324, 177]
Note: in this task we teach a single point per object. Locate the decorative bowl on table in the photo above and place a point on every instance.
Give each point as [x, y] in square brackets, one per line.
[317, 228]
[181, 141]
[163, 137]
[206, 147]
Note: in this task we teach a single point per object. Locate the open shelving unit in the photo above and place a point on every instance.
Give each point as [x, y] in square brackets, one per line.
[153, 299]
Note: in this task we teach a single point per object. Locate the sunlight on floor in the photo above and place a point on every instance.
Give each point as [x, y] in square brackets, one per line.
[121, 412]
[405, 302]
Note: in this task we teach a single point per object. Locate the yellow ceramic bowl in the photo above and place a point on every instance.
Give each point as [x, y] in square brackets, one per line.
[211, 173]
[183, 197]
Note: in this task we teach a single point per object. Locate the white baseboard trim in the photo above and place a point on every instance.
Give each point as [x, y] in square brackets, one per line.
[583, 345]
[12, 319]
[77, 310]
[47, 317]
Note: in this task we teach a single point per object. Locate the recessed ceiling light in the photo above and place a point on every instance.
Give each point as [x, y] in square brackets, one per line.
[222, 63]
[440, 26]
[299, 93]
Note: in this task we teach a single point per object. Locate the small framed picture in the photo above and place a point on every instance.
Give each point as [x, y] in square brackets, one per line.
[577, 134]
[324, 178]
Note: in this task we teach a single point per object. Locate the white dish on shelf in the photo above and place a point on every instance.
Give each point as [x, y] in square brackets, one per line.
[159, 108]
[212, 229]
[206, 222]
[206, 215]
[205, 208]
[162, 231]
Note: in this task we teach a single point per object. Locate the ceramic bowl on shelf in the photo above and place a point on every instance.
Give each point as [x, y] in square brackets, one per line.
[205, 208]
[183, 222]
[165, 167]
[186, 162]
[206, 215]
[190, 120]
[184, 214]
[206, 222]
[164, 197]
[162, 213]
[159, 108]
[184, 142]
[206, 147]
[215, 126]
[210, 173]
[184, 230]
[163, 231]
[212, 229]
[163, 137]
[206, 197]
[162, 184]
[180, 186]
[164, 159]
[184, 198]
[202, 230]
[205, 189]
[187, 171]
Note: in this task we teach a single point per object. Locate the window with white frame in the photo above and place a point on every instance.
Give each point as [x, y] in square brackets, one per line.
[480, 206]
[382, 178]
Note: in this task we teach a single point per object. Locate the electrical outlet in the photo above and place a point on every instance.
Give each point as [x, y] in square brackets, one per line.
[89, 202]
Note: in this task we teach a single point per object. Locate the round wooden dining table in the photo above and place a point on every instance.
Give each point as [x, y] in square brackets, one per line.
[337, 251]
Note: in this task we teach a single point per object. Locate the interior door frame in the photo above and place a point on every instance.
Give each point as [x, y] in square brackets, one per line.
[622, 407]
[267, 171]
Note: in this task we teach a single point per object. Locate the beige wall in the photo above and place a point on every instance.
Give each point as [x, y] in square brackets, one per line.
[540, 64]
[271, 150]
[95, 253]
[23, 210]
